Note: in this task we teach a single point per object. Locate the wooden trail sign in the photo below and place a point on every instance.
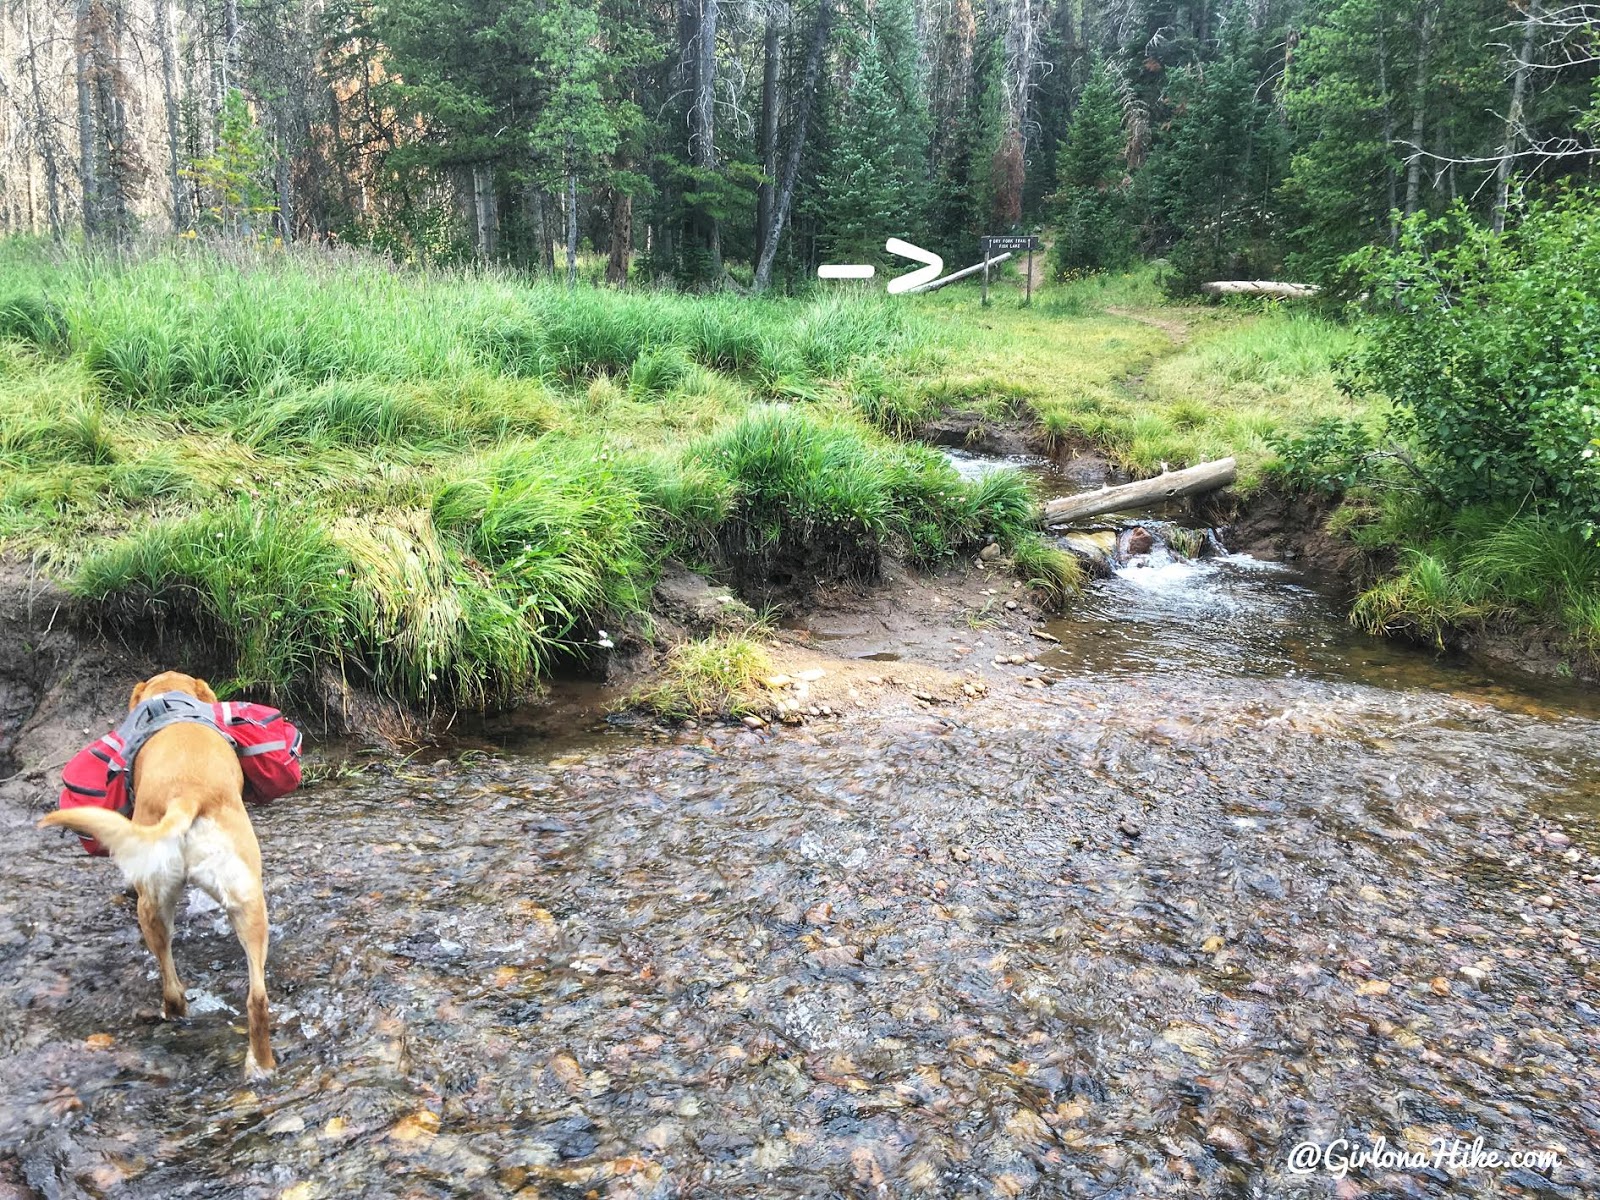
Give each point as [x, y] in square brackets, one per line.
[994, 243]
[1009, 243]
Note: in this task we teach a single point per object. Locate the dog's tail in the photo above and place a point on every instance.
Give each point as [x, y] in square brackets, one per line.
[144, 852]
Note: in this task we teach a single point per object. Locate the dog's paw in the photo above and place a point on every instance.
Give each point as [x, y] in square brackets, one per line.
[254, 1072]
[174, 1008]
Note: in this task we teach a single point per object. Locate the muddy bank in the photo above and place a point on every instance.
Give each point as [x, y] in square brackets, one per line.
[1279, 526]
[58, 687]
[1274, 525]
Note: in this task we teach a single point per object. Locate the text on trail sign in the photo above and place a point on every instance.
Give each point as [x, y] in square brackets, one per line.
[1010, 241]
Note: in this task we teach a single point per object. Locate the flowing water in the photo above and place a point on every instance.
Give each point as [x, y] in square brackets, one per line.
[1239, 879]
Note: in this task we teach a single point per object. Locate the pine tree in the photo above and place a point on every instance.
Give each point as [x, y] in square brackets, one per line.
[1093, 227]
[1210, 181]
[232, 179]
[576, 129]
[873, 189]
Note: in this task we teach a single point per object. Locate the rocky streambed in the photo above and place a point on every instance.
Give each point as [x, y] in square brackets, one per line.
[1194, 878]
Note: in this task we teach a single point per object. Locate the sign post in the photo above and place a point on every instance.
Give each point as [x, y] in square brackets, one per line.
[1000, 243]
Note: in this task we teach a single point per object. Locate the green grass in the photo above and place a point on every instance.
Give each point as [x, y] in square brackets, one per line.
[443, 485]
[1103, 362]
[1478, 566]
[708, 677]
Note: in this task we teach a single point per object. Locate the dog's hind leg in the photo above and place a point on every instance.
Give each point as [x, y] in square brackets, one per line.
[249, 917]
[158, 906]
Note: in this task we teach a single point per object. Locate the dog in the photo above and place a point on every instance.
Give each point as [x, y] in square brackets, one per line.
[189, 826]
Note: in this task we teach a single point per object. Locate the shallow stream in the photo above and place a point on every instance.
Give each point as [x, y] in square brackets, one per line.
[1240, 879]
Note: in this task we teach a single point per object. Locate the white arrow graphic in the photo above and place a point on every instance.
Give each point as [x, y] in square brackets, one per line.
[922, 275]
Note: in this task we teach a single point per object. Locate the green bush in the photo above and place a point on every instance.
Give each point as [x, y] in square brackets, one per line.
[1488, 345]
[1330, 456]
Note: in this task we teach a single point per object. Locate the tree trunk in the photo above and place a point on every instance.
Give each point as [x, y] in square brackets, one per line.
[111, 85]
[230, 48]
[88, 165]
[284, 177]
[483, 209]
[1391, 184]
[570, 202]
[1260, 287]
[1419, 110]
[1519, 86]
[797, 141]
[702, 128]
[956, 276]
[772, 50]
[543, 248]
[44, 133]
[1169, 485]
[621, 253]
[169, 96]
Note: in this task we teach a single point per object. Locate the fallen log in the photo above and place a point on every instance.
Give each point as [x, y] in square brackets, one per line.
[1260, 287]
[1169, 485]
[961, 274]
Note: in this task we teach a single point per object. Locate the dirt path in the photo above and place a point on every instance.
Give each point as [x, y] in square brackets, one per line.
[1178, 330]
[1041, 258]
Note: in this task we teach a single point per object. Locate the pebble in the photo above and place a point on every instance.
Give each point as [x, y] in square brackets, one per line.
[990, 552]
[754, 722]
[1229, 1140]
[1128, 827]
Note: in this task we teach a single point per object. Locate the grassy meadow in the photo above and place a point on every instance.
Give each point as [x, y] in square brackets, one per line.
[443, 485]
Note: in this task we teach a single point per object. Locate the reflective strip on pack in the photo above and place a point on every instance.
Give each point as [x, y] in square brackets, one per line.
[260, 748]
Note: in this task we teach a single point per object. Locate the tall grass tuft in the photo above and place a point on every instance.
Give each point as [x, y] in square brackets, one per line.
[559, 527]
[1055, 575]
[707, 677]
[270, 583]
[353, 412]
[817, 497]
[1488, 565]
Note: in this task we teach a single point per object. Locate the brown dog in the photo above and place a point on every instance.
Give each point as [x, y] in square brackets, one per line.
[189, 826]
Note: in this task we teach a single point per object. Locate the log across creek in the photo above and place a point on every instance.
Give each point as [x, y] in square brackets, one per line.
[1169, 485]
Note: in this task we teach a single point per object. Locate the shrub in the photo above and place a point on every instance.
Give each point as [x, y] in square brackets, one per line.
[1330, 456]
[1488, 344]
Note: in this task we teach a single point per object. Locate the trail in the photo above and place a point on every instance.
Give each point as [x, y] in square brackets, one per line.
[1178, 330]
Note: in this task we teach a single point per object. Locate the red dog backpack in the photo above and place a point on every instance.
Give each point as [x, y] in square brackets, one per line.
[267, 744]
